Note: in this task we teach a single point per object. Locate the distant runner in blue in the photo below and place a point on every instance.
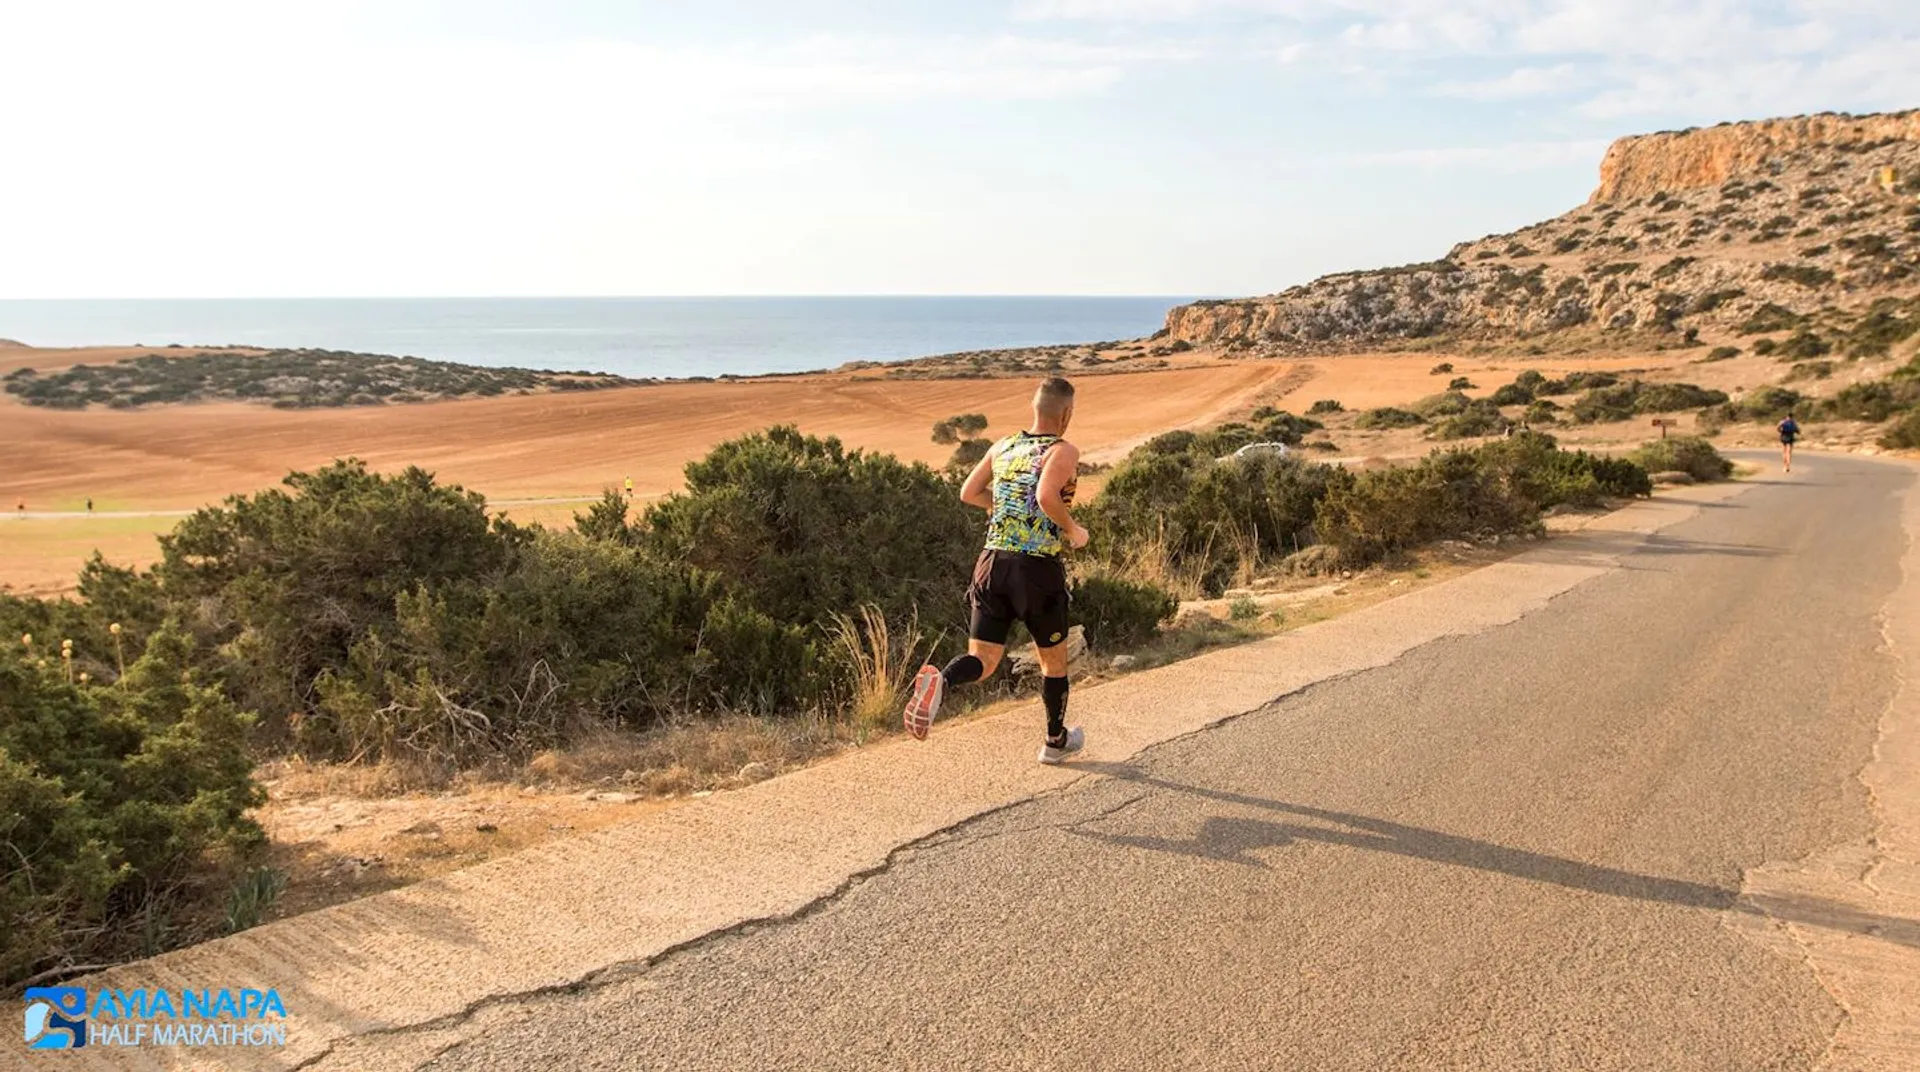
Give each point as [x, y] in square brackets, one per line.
[1789, 431]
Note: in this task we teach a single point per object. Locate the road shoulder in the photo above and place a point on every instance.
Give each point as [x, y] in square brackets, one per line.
[406, 969]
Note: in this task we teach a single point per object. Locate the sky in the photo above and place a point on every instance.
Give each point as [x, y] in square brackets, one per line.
[376, 148]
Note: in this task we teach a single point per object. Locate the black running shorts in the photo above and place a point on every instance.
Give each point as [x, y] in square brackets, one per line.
[1009, 586]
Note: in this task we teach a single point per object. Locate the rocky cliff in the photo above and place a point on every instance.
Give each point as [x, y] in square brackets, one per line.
[1716, 229]
[1637, 167]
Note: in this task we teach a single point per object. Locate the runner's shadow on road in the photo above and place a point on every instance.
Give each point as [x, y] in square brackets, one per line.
[1615, 550]
[1668, 545]
[1231, 839]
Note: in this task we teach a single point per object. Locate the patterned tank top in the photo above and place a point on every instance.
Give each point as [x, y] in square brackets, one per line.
[1017, 523]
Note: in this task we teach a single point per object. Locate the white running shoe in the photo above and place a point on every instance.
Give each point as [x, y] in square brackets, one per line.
[929, 688]
[1052, 754]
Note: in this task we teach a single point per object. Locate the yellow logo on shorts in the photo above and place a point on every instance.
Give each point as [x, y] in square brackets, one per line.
[1055, 639]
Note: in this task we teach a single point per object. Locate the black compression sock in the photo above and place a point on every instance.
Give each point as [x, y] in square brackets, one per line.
[963, 669]
[1053, 692]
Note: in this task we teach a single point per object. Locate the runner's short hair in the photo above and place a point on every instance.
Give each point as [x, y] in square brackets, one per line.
[1054, 396]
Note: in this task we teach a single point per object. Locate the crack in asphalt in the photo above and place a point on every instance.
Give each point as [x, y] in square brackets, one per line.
[955, 834]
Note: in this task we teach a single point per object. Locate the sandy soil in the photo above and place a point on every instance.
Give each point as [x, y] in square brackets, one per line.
[559, 446]
[181, 457]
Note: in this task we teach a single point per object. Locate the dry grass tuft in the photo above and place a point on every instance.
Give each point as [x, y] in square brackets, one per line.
[882, 662]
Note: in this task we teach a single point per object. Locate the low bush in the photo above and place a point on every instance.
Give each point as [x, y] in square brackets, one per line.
[1809, 370]
[1387, 417]
[1721, 353]
[1444, 368]
[1325, 405]
[1542, 411]
[1449, 494]
[802, 528]
[1284, 427]
[1535, 468]
[1623, 401]
[1512, 394]
[1604, 404]
[1460, 383]
[1445, 404]
[1771, 317]
[1687, 454]
[1575, 382]
[1904, 434]
[1120, 614]
[1887, 324]
[1802, 345]
[1766, 404]
[1874, 400]
[123, 809]
[1480, 418]
[1191, 520]
[1806, 275]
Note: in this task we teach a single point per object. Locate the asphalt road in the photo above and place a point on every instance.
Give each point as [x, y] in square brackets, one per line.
[1519, 849]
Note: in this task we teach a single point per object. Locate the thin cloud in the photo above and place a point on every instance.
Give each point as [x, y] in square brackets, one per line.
[1509, 158]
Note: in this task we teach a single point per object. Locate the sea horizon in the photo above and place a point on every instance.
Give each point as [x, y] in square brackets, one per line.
[640, 336]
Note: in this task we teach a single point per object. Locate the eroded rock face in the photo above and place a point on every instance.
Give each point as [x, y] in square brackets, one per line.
[1694, 159]
[1706, 229]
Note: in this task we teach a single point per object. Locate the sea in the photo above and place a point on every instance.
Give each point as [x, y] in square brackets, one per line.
[635, 337]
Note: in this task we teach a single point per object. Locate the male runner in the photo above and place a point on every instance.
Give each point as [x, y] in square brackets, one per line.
[1025, 483]
[1789, 431]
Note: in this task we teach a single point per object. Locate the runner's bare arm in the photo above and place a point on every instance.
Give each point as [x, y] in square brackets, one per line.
[975, 491]
[1061, 472]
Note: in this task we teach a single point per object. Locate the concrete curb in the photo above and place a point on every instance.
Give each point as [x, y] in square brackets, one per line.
[600, 905]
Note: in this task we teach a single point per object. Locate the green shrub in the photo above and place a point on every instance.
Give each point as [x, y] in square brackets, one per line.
[1888, 324]
[1541, 411]
[1604, 404]
[1804, 344]
[288, 581]
[1460, 383]
[1767, 403]
[1721, 353]
[803, 529]
[1449, 494]
[1512, 394]
[1284, 427]
[1673, 397]
[1771, 317]
[1875, 400]
[1204, 518]
[1534, 468]
[1118, 613]
[1442, 369]
[1445, 404]
[1805, 275]
[1478, 419]
[1243, 609]
[121, 808]
[1687, 454]
[1325, 405]
[1574, 382]
[1905, 433]
[1387, 417]
[1766, 347]
[966, 454]
[1810, 370]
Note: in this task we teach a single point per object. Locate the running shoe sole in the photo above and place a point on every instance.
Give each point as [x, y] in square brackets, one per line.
[928, 690]
[1076, 740]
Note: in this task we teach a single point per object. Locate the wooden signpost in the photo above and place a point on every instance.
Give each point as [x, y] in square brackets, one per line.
[1664, 423]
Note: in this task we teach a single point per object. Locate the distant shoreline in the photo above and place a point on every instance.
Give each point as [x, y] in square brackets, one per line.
[634, 338]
